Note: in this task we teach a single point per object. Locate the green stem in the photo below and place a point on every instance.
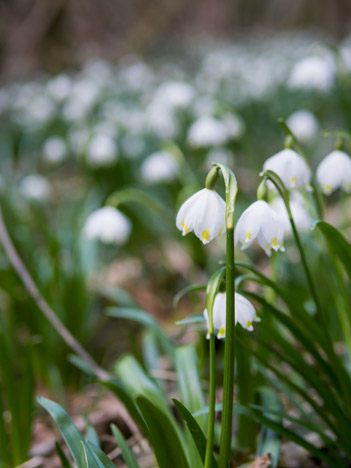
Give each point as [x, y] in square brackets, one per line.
[305, 265]
[229, 357]
[212, 403]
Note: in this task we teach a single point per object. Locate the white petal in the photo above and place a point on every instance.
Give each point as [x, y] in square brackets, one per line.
[245, 313]
[290, 167]
[334, 172]
[203, 213]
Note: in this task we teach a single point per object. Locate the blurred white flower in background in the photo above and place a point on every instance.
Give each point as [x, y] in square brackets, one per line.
[299, 212]
[220, 155]
[303, 124]
[290, 167]
[108, 225]
[245, 313]
[259, 221]
[208, 131]
[101, 151]
[334, 172]
[84, 94]
[160, 119]
[54, 150]
[135, 76]
[160, 166]
[203, 213]
[59, 87]
[313, 72]
[234, 125]
[35, 187]
[174, 94]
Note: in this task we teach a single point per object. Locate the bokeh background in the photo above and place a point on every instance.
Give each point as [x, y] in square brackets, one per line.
[125, 104]
[37, 35]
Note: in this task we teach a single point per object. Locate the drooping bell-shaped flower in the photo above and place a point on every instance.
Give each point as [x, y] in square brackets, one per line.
[290, 167]
[334, 172]
[108, 225]
[245, 313]
[160, 166]
[204, 214]
[304, 125]
[299, 213]
[259, 221]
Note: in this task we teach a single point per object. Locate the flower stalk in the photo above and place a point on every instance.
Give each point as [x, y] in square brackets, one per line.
[229, 356]
[229, 349]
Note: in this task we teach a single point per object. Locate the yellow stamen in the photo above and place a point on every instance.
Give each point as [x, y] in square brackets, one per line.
[274, 242]
[328, 188]
[293, 180]
[205, 235]
[184, 226]
[221, 332]
[249, 324]
[248, 237]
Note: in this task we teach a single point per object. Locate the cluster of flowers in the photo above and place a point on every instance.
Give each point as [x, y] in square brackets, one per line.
[105, 113]
[204, 214]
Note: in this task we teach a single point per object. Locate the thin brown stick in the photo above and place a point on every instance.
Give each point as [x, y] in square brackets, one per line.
[34, 292]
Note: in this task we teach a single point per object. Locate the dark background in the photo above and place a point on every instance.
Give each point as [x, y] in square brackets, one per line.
[55, 34]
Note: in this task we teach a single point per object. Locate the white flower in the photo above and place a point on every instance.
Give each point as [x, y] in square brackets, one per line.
[107, 225]
[312, 73]
[203, 213]
[260, 222]
[175, 94]
[160, 119]
[300, 215]
[102, 151]
[208, 131]
[159, 167]
[303, 124]
[235, 125]
[54, 150]
[290, 167]
[334, 172]
[245, 313]
[35, 187]
[59, 87]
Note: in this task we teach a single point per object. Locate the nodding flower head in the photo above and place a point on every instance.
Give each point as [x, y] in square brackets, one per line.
[290, 167]
[107, 225]
[245, 313]
[260, 222]
[335, 172]
[203, 213]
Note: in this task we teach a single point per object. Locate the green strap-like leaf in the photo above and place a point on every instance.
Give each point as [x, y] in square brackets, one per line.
[127, 454]
[70, 433]
[195, 430]
[147, 320]
[124, 396]
[337, 243]
[167, 445]
[191, 393]
[99, 456]
[290, 435]
[187, 290]
[64, 460]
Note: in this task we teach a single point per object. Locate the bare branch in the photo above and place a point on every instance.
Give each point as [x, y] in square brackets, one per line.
[43, 305]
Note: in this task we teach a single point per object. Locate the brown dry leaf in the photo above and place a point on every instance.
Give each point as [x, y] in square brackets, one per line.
[261, 462]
